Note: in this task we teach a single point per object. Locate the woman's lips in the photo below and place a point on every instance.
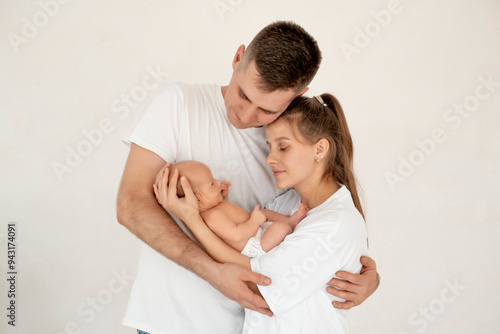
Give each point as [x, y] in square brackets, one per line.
[277, 172]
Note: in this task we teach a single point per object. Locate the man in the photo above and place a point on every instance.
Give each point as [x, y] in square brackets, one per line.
[179, 288]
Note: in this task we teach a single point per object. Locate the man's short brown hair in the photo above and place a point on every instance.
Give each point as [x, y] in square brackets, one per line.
[286, 56]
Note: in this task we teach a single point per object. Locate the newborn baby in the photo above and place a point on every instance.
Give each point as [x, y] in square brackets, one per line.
[253, 233]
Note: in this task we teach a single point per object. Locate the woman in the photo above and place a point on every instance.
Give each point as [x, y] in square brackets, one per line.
[310, 151]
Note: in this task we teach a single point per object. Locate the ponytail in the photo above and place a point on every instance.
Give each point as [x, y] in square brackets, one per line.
[343, 169]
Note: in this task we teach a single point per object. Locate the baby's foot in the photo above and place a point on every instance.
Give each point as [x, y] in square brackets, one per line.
[300, 214]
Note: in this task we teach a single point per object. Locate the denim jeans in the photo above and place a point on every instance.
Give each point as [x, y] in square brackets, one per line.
[141, 332]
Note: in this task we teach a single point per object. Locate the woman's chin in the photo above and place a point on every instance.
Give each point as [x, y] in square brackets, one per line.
[281, 185]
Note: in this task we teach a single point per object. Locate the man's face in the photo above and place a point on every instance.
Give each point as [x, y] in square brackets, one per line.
[247, 105]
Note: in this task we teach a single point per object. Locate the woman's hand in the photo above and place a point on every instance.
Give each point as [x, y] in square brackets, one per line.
[166, 194]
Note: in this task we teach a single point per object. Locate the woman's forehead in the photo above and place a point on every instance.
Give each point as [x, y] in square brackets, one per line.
[280, 128]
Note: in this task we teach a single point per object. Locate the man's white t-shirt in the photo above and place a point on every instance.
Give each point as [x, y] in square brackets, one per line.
[189, 122]
[331, 237]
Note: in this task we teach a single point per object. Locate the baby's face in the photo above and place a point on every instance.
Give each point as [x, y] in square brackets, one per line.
[208, 190]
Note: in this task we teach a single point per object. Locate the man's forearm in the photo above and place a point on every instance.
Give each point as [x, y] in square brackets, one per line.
[145, 218]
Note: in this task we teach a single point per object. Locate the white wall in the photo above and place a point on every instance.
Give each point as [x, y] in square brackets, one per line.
[437, 225]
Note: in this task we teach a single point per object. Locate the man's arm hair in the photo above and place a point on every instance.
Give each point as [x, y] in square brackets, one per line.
[139, 211]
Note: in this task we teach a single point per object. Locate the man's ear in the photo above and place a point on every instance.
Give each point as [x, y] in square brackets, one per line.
[238, 56]
[302, 93]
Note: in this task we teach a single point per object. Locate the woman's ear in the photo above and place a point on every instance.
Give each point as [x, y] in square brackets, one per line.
[322, 147]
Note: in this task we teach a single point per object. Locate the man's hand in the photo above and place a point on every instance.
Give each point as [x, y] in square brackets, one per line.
[357, 288]
[166, 193]
[233, 282]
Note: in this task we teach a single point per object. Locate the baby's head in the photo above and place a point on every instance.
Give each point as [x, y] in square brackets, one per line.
[207, 190]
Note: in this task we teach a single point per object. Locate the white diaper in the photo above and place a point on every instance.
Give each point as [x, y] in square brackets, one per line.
[253, 248]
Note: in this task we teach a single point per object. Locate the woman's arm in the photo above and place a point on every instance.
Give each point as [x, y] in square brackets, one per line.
[353, 288]
[304, 262]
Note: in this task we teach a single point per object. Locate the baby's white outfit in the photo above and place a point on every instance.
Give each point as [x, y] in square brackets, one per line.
[253, 247]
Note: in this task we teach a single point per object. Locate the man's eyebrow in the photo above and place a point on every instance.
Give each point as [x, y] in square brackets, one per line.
[243, 95]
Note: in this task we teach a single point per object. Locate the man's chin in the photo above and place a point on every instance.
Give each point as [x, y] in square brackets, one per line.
[235, 121]
[238, 125]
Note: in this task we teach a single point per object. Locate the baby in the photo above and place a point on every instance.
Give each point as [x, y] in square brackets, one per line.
[252, 234]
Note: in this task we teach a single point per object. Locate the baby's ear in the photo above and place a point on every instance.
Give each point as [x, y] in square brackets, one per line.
[198, 197]
[180, 191]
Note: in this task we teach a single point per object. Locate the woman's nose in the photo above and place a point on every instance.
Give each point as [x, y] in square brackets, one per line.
[270, 159]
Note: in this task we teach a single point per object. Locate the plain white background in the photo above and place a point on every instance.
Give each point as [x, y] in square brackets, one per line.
[412, 77]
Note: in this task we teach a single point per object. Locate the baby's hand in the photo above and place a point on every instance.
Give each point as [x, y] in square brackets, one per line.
[258, 215]
[225, 189]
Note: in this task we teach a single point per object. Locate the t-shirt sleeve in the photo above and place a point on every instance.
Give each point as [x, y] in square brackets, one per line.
[159, 128]
[301, 265]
